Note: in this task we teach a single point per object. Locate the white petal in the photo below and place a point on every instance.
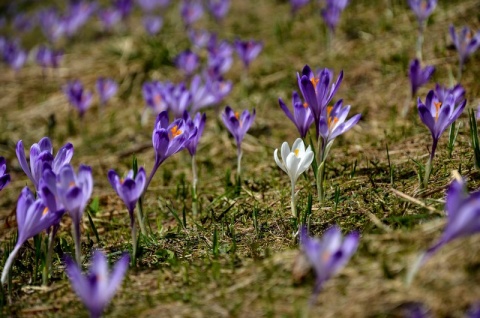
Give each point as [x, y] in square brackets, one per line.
[292, 166]
[305, 162]
[285, 151]
[279, 163]
[298, 144]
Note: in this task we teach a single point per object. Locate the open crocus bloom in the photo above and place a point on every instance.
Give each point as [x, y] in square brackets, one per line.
[333, 124]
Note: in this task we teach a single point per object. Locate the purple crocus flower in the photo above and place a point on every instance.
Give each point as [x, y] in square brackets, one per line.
[218, 8]
[465, 42]
[106, 88]
[473, 311]
[332, 123]
[463, 219]
[202, 94]
[188, 62]
[197, 122]
[4, 177]
[47, 57]
[109, 17]
[74, 191]
[41, 153]
[152, 24]
[318, 90]
[98, 287]
[437, 115]
[129, 189]
[191, 11]
[297, 5]
[328, 255]
[153, 94]
[457, 91]
[52, 24]
[33, 217]
[14, 55]
[238, 124]
[23, 23]
[77, 96]
[151, 5]
[418, 76]
[179, 99]
[124, 7]
[248, 50]
[302, 115]
[199, 38]
[168, 139]
[422, 9]
[219, 56]
[77, 15]
[331, 12]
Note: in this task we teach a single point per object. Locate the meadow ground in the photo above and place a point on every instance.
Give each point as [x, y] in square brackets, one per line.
[236, 258]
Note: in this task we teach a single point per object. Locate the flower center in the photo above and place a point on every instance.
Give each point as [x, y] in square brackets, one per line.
[174, 131]
[314, 81]
[71, 184]
[305, 105]
[331, 121]
[423, 5]
[326, 256]
[45, 211]
[437, 109]
[296, 151]
[157, 99]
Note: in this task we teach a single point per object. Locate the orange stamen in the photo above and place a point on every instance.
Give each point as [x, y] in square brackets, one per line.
[305, 105]
[237, 115]
[45, 211]
[157, 99]
[71, 184]
[437, 109]
[296, 151]
[325, 256]
[314, 81]
[174, 131]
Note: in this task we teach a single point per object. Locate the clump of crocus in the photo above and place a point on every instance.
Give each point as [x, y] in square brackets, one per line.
[151, 5]
[154, 96]
[188, 62]
[130, 189]
[297, 5]
[437, 115]
[41, 153]
[109, 17]
[191, 11]
[248, 50]
[302, 115]
[466, 44]
[294, 162]
[97, 288]
[219, 56]
[422, 9]
[14, 55]
[418, 75]
[328, 255]
[74, 191]
[106, 89]
[463, 219]
[197, 122]
[199, 38]
[33, 217]
[77, 96]
[4, 177]
[152, 24]
[331, 15]
[238, 125]
[168, 139]
[47, 57]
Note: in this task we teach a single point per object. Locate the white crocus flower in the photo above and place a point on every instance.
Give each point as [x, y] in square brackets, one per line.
[294, 162]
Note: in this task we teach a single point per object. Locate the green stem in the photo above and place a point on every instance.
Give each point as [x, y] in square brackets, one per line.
[293, 203]
[320, 177]
[428, 166]
[420, 41]
[141, 220]
[76, 240]
[194, 187]
[48, 260]
[134, 244]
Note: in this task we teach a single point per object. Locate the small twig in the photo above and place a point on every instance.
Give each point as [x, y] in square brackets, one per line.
[413, 200]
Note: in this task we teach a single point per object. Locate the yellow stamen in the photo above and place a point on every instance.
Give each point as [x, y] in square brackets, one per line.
[237, 115]
[329, 110]
[174, 131]
[331, 120]
[296, 151]
[314, 81]
[437, 109]
[45, 211]
[122, 180]
[305, 105]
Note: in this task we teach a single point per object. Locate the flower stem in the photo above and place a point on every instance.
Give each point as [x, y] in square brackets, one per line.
[194, 187]
[460, 70]
[428, 166]
[134, 244]
[420, 41]
[48, 260]
[320, 177]
[76, 240]
[293, 201]
[239, 162]
[9, 263]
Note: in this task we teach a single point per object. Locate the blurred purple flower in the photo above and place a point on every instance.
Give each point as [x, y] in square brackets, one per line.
[422, 9]
[473, 311]
[47, 57]
[53, 26]
[318, 91]
[328, 255]
[14, 55]
[191, 11]
[152, 24]
[179, 99]
[23, 23]
[151, 5]
[418, 76]
[465, 42]
[302, 115]
[248, 50]
[98, 287]
[41, 153]
[168, 139]
[74, 191]
[297, 5]
[77, 15]
[129, 189]
[238, 124]
[437, 115]
[197, 122]
[77, 96]
[153, 94]
[188, 62]
[331, 12]
[109, 17]
[202, 94]
[4, 177]
[332, 123]
[124, 7]
[199, 38]
[218, 8]
[33, 216]
[219, 56]
[106, 88]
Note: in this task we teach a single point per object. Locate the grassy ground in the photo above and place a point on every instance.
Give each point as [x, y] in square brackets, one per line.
[236, 258]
